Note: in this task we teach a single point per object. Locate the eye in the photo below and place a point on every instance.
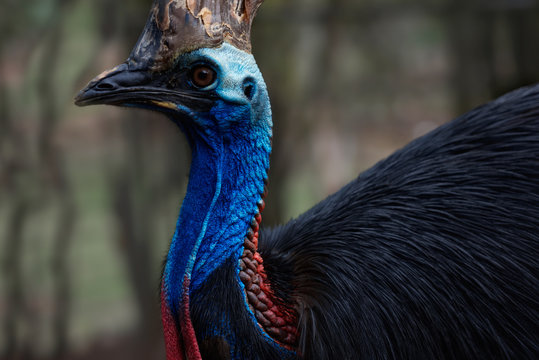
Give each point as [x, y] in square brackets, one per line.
[203, 76]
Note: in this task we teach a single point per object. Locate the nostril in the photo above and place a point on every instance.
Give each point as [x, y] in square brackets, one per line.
[105, 86]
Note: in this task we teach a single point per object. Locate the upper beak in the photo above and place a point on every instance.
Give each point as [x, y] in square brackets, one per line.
[117, 86]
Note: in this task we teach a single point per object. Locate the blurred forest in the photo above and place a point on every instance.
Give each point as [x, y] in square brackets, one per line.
[89, 197]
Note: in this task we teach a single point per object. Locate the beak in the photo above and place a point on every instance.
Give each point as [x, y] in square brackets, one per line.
[128, 85]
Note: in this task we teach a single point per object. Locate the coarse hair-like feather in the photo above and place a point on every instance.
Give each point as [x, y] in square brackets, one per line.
[430, 254]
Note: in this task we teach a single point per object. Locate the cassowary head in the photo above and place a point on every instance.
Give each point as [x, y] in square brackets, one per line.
[193, 63]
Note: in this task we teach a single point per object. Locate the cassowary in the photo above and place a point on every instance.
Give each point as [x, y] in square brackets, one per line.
[430, 254]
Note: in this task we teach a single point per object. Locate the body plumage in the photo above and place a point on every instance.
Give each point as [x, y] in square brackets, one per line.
[430, 254]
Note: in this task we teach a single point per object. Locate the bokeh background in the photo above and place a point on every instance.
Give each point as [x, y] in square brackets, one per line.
[89, 197]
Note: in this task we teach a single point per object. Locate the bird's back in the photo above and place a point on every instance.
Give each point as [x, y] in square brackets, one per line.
[430, 254]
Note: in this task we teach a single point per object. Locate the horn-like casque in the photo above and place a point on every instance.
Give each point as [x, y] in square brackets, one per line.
[179, 26]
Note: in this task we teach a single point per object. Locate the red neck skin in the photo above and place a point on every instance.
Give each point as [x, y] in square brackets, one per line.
[275, 318]
[186, 346]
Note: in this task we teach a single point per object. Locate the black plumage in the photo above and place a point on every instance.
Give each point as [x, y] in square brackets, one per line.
[430, 254]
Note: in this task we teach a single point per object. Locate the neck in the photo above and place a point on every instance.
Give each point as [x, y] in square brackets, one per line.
[214, 248]
[224, 194]
[226, 185]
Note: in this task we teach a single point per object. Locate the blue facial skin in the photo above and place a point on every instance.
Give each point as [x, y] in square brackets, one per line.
[231, 146]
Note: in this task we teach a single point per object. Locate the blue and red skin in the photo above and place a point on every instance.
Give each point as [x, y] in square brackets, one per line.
[231, 146]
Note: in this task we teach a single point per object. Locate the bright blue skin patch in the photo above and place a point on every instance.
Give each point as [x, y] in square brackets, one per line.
[231, 146]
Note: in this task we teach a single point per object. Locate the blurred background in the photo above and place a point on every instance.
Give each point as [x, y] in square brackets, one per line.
[89, 197]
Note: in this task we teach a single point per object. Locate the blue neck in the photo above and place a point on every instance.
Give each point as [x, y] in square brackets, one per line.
[225, 185]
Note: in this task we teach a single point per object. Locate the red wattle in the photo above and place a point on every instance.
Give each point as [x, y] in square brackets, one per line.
[173, 342]
[173, 347]
[188, 332]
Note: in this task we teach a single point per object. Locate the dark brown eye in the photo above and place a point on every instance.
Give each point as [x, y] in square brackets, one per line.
[203, 76]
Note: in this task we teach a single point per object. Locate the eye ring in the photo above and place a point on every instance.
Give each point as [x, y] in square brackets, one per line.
[203, 76]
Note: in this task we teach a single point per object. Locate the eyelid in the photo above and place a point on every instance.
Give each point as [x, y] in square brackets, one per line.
[205, 62]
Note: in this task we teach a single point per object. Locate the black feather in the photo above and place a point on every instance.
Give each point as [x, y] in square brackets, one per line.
[430, 254]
